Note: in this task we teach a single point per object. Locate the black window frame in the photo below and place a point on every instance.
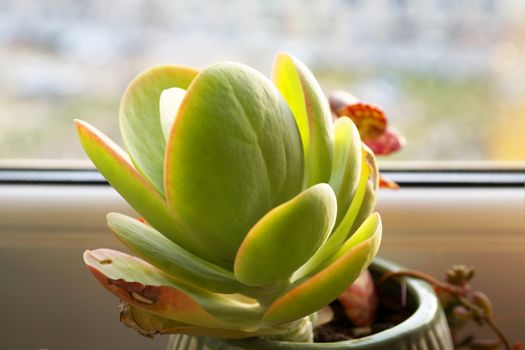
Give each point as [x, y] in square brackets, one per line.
[406, 178]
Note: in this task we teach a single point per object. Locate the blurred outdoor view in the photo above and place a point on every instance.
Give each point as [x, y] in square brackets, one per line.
[450, 74]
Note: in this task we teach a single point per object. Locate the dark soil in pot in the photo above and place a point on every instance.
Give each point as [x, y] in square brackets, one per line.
[390, 313]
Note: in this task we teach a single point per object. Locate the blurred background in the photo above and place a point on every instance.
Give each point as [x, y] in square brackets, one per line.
[450, 74]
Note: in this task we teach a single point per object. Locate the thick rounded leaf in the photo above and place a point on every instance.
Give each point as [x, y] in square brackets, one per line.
[233, 154]
[347, 164]
[342, 230]
[165, 255]
[312, 113]
[140, 117]
[342, 269]
[142, 285]
[286, 237]
[170, 100]
[113, 164]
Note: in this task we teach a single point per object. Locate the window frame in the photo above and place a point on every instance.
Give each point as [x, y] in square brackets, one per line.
[77, 196]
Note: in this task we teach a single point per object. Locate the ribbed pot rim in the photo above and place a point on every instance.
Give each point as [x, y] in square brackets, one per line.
[428, 310]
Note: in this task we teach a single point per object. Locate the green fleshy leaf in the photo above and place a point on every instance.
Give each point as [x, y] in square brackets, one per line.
[234, 153]
[170, 100]
[342, 269]
[286, 237]
[347, 164]
[312, 113]
[142, 285]
[367, 207]
[165, 255]
[113, 164]
[370, 198]
[342, 231]
[140, 120]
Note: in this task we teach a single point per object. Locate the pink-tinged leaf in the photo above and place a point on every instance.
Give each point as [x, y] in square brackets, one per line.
[370, 120]
[360, 300]
[113, 163]
[142, 285]
[388, 142]
[343, 268]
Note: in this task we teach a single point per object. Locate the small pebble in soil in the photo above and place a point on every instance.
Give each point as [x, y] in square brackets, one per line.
[389, 314]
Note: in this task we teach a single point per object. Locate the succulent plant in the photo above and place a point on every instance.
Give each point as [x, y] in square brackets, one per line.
[256, 208]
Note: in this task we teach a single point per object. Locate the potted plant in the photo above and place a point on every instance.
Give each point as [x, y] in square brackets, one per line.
[257, 211]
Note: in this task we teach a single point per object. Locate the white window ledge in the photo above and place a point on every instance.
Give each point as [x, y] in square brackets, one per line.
[45, 228]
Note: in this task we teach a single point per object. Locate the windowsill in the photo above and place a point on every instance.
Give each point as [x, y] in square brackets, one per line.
[428, 224]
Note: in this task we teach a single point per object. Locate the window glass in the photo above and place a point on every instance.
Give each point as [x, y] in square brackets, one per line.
[450, 74]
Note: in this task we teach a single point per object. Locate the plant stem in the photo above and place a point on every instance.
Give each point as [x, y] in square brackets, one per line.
[454, 290]
[422, 276]
[301, 332]
[498, 332]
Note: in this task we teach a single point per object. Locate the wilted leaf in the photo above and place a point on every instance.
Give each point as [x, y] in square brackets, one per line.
[142, 285]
